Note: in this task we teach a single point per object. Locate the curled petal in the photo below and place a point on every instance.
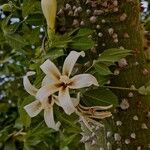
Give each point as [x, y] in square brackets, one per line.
[47, 81]
[84, 120]
[27, 85]
[83, 80]
[50, 70]
[46, 91]
[101, 115]
[102, 107]
[70, 62]
[65, 101]
[49, 119]
[86, 123]
[96, 108]
[34, 108]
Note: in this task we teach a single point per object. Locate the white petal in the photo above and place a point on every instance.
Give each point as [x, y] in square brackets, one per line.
[47, 81]
[49, 119]
[76, 101]
[47, 102]
[46, 91]
[65, 101]
[70, 62]
[33, 108]
[83, 80]
[50, 70]
[55, 99]
[27, 85]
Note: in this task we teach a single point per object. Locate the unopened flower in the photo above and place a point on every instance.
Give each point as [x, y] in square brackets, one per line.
[63, 82]
[46, 104]
[49, 8]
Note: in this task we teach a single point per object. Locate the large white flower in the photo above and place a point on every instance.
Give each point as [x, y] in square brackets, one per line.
[38, 105]
[63, 82]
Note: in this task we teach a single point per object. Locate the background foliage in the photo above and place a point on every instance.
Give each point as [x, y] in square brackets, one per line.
[22, 40]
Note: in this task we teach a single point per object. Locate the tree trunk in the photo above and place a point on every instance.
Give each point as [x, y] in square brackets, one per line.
[117, 24]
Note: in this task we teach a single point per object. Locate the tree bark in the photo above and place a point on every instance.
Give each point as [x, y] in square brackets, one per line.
[117, 24]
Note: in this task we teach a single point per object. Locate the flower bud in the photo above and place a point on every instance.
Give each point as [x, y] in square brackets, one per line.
[6, 7]
[49, 8]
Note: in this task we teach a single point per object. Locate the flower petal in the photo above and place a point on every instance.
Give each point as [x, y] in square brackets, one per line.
[46, 91]
[49, 119]
[33, 108]
[49, 8]
[101, 115]
[96, 108]
[50, 70]
[47, 81]
[83, 80]
[75, 101]
[65, 101]
[27, 85]
[55, 99]
[70, 62]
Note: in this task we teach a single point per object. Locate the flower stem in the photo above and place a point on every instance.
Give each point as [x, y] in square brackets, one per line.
[121, 88]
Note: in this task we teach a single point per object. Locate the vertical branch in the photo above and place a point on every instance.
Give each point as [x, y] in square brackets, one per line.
[117, 24]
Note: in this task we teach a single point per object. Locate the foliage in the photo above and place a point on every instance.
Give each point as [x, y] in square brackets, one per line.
[26, 39]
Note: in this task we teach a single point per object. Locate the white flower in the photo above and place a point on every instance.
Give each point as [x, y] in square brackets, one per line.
[63, 82]
[38, 105]
[49, 8]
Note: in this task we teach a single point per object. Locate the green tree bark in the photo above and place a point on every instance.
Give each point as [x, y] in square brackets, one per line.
[117, 24]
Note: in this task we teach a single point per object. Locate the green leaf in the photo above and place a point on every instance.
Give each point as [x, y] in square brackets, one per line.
[2, 38]
[102, 69]
[10, 146]
[31, 36]
[110, 56]
[83, 43]
[73, 32]
[18, 124]
[3, 107]
[100, 96]
[15, 41]
[66, 140]
[59, 41]
[145, 90]
[53, 54]
[85, 32]
[5, 133]
[37, 134]
[6, 7]
[30, 7]
[35, 19]
[24, 117]
[102, 80]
